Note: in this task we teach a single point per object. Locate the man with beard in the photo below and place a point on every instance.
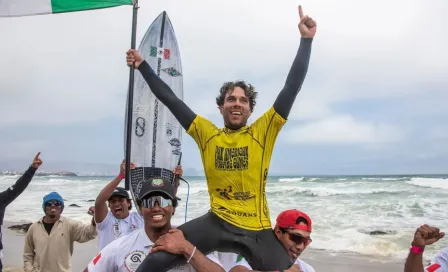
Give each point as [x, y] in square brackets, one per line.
[293, 230]
[49, 241]
[157, 203]
[118, 220]
[8, 196]
[236, 162]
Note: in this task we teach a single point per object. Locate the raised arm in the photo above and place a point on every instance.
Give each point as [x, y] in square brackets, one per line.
[424, 236]
[161, 90]
[8, 196]
[100, 201]
[299, 68]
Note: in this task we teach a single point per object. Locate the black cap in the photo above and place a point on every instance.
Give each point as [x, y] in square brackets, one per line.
[159, 185]
[120, 191]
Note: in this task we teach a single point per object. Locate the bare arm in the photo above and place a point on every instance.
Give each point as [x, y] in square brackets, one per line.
[163, 92]
[424, 235]
[106, 192]
[199, 261]
[414, 263]
[101, 199]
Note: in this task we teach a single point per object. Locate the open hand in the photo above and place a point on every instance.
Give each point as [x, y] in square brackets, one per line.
[173, 242]
[426, 235]
[123, 167]
[133, 57]
[36, 161]
[307, 26]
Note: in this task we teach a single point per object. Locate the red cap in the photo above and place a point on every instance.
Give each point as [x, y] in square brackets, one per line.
[289, 219]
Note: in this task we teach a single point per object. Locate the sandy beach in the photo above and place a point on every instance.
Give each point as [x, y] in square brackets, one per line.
[83, 253]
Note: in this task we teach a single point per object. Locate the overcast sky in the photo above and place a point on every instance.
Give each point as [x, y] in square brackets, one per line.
[374, 100]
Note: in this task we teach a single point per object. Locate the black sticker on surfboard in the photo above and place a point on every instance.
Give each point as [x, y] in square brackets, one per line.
[172, 71]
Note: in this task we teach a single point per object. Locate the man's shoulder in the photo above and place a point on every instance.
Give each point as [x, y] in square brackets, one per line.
[122, 240]
[34, 224]
[135, 214]
[305, 266]
[70, 221]
[202, 122]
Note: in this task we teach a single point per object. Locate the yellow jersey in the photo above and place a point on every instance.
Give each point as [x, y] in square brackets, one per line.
[236, 164]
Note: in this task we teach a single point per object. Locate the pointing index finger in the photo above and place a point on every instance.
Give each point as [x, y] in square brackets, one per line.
[37, 156]
[300, 12]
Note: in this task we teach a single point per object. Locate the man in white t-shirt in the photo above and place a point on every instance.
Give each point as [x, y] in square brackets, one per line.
[117, 221]
[293, 230]
[426, 235]
[157, 204]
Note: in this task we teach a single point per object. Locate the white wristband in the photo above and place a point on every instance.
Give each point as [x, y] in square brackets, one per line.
[191, 256]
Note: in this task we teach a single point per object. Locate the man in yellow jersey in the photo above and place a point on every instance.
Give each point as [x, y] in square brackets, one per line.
[236, 161]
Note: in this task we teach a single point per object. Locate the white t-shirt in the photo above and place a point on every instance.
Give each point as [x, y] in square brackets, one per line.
[112, 228]
[126, 253]
[440, 262]
[304, 267]
[227, 259]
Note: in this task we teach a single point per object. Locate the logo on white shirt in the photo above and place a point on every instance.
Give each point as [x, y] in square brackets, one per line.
[134, 259]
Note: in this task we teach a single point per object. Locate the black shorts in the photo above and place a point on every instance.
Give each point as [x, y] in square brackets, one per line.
[261, 249]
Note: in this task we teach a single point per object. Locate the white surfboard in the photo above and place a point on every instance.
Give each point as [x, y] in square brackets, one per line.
[156, 133]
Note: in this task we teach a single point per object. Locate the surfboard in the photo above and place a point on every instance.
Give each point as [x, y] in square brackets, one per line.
[156, 133]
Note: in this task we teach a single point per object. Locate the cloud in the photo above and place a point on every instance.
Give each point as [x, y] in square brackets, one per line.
[343, 129]
[68, 70]
[75, 66]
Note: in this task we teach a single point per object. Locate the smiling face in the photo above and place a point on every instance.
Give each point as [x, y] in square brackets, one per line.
[294, 240]
[53, 209]
[157, 210]
[236, 102]
[236, 108]
[119, 206]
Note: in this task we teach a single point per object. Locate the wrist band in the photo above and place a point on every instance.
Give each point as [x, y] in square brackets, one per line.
[191, 256]
[417, 249]
[120, 176]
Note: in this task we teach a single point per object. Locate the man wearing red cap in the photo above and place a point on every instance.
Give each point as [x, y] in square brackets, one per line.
[293, 229]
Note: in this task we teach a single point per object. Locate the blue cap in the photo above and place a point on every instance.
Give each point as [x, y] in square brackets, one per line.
[53, 196]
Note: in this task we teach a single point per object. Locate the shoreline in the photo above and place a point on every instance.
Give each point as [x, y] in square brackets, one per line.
[321, 260]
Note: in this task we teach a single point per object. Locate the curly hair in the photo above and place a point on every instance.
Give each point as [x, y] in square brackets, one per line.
[249, 91]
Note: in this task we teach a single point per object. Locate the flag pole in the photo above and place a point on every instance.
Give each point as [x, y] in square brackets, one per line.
[130, 99]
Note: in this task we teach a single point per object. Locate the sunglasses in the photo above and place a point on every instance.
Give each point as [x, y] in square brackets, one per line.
[150, 202]
[297, 238]
[53, 202]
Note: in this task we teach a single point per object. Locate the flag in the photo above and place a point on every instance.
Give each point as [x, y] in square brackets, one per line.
[159, 52]
[13, 8]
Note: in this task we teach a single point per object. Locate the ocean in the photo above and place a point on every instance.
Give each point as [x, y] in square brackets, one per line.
[344, 209]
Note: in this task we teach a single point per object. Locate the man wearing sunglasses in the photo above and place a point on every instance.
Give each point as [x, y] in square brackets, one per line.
[49, 241]
[118, 220]
[293, 230]
[157, 202]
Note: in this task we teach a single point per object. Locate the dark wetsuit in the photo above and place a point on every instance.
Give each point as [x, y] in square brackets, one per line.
[236, 164]
[8, 196]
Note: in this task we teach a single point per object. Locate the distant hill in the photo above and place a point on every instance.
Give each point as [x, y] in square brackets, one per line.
[41, 173]
[77, 168]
